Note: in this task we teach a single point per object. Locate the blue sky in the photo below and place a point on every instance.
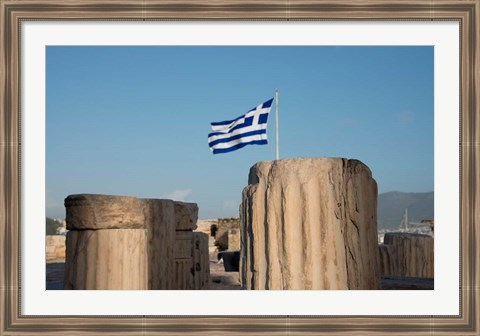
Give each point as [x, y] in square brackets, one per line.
[134, 120]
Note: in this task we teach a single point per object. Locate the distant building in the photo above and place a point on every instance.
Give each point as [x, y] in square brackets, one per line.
[61, 230]
[429, 222]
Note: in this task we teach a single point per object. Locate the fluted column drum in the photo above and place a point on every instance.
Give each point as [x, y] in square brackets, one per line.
[309, 223]
[121, 242]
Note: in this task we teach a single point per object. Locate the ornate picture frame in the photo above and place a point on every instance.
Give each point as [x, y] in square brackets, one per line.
[13, 13]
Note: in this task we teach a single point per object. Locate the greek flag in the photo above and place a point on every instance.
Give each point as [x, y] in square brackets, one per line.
[248, 129]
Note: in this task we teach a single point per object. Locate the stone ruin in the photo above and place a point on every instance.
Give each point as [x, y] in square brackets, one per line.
[224, 232]
[309, 224]
[234, 239]
[305, 224]
[407, 255]
[55, 248]
[120, 242]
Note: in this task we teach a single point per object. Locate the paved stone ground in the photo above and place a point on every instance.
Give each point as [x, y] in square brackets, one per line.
[219, 279]
[55, 272]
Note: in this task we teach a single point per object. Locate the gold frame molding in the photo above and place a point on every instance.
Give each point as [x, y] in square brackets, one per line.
[13, 12]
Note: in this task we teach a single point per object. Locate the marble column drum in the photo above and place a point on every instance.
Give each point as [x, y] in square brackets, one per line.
[309, 223]
[122, 242]
[407, 255]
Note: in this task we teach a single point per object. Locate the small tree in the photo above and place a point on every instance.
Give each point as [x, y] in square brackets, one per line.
[52, 226]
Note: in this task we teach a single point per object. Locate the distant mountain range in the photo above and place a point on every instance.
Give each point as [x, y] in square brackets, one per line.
[392, 205]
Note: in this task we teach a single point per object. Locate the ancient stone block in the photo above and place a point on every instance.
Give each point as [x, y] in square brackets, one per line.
[184, 264]
[183, 244]
[221, 232]
[309, 224]
[186, 216]
[234, 240]
[192, 268]
[201, 260]
[160, 229]
[87, 211]
[412, 253]
[109, 233]
[183, 273]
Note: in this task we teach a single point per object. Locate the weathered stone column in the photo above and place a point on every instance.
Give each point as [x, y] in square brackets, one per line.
[106, 243]
[192, 268]
[160, 226]
[388, 260]
[183, 260]
[411, 254]
[309, 224]
[118, 242]
[201, 261]
[106, 259]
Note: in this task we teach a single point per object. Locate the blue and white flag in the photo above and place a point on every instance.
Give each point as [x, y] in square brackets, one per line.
[248, 129]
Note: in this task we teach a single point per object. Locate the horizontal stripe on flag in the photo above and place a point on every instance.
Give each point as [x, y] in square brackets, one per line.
[248, 121]
[262, 119]
[240, 145]
[243, 129]
[225, 126]
[235, 137]
[239, 121]
[231, 143]
[228, 122]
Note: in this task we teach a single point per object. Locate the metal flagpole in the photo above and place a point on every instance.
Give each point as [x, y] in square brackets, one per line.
[276, 121]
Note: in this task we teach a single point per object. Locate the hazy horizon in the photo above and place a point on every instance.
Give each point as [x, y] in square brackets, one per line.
[237, 215]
